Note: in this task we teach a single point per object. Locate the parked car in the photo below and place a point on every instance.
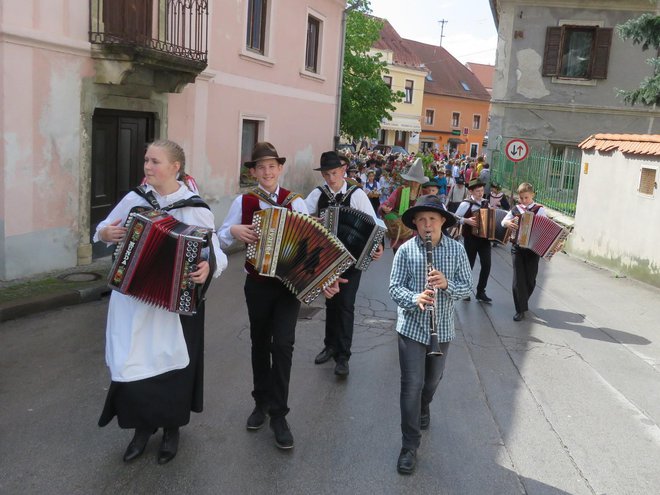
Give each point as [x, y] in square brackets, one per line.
[384, 149]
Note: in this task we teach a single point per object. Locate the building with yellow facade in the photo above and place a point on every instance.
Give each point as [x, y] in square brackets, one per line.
[406, 74]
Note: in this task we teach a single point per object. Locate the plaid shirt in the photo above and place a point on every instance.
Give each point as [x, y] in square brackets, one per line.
[409, 278]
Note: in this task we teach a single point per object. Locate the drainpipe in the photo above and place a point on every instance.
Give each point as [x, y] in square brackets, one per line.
[340, 78]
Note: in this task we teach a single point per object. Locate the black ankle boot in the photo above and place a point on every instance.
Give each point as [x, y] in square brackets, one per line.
[169, 445]
[137, 445]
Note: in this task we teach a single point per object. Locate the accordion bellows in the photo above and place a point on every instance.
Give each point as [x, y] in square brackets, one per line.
[489, 225]
[298, 250]
[540, 234]
[154, 262]
[357, 230]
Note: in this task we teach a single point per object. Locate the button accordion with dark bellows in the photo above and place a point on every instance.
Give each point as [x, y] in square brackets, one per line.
[540, 234]
[489, 225]
[298, 250]
[357, 230]
[154, 262]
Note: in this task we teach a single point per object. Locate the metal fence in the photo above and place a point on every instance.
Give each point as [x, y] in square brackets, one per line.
[554, 178]
[175, 27]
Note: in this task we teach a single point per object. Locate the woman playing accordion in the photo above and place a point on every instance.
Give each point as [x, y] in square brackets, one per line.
[156, 356]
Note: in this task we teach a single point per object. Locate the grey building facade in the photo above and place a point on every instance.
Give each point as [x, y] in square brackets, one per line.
[559, 64]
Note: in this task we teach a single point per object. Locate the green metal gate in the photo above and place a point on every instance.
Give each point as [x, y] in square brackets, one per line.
[554, 178]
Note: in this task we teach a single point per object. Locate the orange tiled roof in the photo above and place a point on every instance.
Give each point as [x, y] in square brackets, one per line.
[483, 72]
[636, 144]
[390, 40]
[446, 75]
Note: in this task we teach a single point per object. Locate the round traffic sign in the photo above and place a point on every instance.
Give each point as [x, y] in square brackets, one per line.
[516, 150]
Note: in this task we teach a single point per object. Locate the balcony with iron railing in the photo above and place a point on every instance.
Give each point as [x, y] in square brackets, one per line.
[167, 38]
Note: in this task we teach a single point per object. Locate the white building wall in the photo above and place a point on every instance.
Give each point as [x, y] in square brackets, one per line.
[615, 225]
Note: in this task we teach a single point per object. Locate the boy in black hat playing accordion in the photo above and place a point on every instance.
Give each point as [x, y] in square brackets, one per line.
[474, 245]
[434, 273]
[340, 309]
[272, 308]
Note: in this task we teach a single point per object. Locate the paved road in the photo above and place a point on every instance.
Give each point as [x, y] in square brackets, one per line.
[565, 402]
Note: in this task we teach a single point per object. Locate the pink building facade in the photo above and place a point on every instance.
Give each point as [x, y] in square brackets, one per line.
[76, 115]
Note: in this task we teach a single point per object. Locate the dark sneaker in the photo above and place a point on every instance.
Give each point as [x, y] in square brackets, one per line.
[467, 298]
[341, 368]
[324, 356]
[283, 436]
[256, 419]
[425, 417]
[481, 296]
[407, 461]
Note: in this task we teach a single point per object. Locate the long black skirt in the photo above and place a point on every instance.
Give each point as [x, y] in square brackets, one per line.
[162, 401]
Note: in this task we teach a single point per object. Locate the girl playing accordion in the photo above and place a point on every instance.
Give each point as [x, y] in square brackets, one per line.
[156, 356]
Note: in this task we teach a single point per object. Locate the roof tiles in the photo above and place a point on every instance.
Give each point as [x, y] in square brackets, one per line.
[447, 76]
[636, 144]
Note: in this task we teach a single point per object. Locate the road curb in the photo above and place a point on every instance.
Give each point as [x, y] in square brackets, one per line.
[29, 306]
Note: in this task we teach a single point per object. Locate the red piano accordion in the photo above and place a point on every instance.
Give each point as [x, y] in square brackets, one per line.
[298, 250]
[356, 230]
[540, 234]
[489, 225]
[154, 262]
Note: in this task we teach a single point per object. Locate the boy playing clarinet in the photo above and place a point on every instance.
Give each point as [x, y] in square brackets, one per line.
[413, 286]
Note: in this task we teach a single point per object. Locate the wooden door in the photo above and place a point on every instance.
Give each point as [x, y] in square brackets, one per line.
[118, 145]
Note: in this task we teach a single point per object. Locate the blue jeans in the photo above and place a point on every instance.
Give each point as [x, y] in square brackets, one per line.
[420, 376]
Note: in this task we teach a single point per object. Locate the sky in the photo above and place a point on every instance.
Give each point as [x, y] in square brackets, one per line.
[469, 34]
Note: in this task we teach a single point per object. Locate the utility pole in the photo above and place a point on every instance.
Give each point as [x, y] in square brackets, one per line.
[442, 29]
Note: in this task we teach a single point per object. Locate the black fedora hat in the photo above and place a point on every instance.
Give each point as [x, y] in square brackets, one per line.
[428, 202]
[329, 161]
[474, 183]
[263, 151]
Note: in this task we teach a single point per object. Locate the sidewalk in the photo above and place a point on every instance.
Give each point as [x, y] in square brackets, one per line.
[80, 284]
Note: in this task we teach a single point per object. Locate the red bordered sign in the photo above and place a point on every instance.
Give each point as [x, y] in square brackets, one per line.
[516, 150]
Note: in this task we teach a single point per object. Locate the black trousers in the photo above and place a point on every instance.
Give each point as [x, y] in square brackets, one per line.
[273, 312]
[525, 269]
[477, 245]
[340, 315]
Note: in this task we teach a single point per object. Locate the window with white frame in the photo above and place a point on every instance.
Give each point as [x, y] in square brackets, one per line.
[388, 81]
[430, 114]
[476, 122]
[455, 119]
[312, 51]
[409, 91]
[252, 131]
[256, 26]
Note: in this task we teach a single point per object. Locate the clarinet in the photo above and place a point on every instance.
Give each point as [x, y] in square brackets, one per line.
[433, 349]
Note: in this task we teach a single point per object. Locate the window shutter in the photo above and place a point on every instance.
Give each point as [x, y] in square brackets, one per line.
[601, 53]
[647, 181]
[551, 52]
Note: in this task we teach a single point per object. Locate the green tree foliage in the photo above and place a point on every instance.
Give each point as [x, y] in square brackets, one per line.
[365, 98]
[644, 30]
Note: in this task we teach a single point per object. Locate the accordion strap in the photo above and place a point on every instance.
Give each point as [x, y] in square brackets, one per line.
[194, 201]
[259, 193]
[332, 200]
